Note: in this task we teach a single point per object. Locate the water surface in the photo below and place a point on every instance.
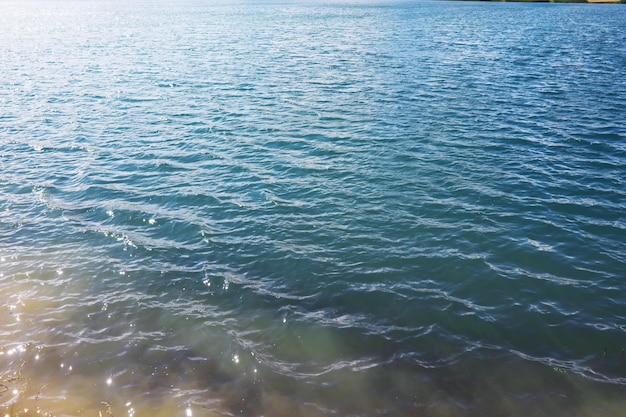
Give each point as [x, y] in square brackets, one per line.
[326, 209]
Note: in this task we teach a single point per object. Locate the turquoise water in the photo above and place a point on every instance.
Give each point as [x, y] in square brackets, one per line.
[323, 209]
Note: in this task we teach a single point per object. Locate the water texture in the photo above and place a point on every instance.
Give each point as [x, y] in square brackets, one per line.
[312, 209]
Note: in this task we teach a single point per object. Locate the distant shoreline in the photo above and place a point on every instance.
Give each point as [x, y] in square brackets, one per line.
[556, 1]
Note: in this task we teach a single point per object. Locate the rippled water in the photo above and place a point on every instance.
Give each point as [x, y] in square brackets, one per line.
[338, 209]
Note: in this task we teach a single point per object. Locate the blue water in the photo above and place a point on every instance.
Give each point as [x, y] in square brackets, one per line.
[312, 209]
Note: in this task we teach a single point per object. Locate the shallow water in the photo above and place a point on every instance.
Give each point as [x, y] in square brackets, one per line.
[284, 209]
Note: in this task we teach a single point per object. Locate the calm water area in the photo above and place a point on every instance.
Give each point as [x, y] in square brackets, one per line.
[312, 209]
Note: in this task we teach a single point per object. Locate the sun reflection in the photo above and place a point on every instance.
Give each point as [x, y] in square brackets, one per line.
[16, 349]
[188, 412]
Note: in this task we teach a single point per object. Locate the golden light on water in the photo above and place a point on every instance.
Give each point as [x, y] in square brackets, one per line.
[48, 373]
[63, 353]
